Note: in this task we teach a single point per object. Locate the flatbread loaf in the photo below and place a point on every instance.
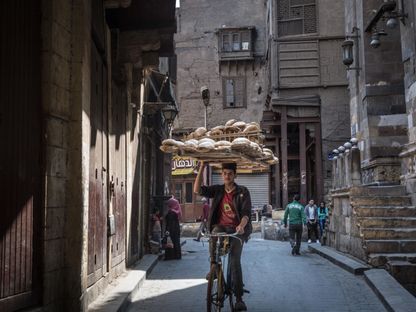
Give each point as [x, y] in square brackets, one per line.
[239, 124]
[200, 131]
[222, 143]
[251, 128]
[206, 140]
[172, 142]
[230, 122]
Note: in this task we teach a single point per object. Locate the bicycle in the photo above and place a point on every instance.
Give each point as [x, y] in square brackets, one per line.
[220, 288]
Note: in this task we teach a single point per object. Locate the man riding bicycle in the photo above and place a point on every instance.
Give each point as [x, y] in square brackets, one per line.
[230, 212]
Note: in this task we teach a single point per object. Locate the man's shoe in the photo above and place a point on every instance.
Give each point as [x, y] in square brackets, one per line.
[297, 253]
[293, 250]
[317, 241]
[240, 306]
[309, 241]
[195, 239]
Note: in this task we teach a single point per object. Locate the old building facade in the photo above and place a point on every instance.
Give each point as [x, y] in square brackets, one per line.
[307, 112]
[80, 133]
[221, 45]
[373, 186]
[274, 62]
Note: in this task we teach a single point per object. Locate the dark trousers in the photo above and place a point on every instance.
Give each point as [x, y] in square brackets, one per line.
[322, 226]
[236, 248]
[295, 233]
[313, 229]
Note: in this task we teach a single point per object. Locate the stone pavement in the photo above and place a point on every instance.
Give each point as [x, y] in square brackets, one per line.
[277, 282]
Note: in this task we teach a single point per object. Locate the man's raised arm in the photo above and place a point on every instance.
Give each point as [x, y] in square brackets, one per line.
[198, 179]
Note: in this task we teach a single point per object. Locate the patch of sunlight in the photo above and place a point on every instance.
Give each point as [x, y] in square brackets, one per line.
[156, 288]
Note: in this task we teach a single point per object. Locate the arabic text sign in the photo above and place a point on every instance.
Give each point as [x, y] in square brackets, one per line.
[183, 165]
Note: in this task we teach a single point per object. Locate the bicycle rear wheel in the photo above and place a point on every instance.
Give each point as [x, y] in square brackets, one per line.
[215, 289]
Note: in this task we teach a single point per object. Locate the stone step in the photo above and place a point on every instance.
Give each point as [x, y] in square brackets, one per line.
[381, 259]
[389, 246]
[388, 233]
[386, 222]
[403, 271]
[390, 292]
[385, 211]
[392, 190]
[358, 201]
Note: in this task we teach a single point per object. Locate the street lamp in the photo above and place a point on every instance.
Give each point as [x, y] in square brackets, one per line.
[351, 42]
[347, 54]
[169, 114]
[205, 100]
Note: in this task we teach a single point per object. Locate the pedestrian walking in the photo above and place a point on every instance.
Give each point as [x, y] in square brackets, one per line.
[294, 211]
[311, 212]
[230, 212]
[172, 219]
[204, 218]
[322, 216]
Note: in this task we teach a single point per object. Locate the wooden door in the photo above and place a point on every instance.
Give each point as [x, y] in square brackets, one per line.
[118, 174]
[97, 210]
[20, 157]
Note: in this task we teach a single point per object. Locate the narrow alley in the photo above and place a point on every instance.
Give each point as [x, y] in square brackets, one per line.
[130, 126]
[277, 281]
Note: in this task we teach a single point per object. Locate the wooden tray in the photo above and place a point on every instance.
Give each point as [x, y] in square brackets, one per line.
[217, 157]
[255, 136]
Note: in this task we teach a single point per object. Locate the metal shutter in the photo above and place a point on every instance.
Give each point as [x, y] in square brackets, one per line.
[257, 184]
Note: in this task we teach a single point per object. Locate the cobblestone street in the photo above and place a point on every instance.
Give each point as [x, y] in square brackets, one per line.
[276, 280]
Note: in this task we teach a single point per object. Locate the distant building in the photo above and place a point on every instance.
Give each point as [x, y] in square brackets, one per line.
[221, 45]
[307, 109]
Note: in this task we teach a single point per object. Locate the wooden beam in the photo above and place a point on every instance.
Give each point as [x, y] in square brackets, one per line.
[277, 176]
[302, 163]
[318, 164]
[284, 157]
[290, 120]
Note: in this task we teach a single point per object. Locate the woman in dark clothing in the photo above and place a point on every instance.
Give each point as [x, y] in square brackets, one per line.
[172, 226]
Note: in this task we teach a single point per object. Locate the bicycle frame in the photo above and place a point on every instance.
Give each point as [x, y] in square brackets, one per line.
[224, 286]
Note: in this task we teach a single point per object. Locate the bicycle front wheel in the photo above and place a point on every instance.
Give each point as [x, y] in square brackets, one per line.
[232, 301]
[215, 289]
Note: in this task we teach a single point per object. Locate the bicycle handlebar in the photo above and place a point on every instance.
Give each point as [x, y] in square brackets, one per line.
[224, 234]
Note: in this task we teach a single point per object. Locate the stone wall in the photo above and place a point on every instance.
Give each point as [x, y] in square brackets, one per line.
[408, 37]
[342, 232]
[196, 45]
[57, 36]
[377, 104]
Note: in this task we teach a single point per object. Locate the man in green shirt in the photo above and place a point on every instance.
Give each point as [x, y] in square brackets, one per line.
[297, 219]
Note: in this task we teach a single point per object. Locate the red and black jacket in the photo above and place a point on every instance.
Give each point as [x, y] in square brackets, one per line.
[241, 202]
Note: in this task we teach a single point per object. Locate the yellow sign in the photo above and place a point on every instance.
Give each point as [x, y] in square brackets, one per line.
[183, 165]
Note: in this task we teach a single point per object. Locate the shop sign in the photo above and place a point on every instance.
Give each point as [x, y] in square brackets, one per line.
[183, 165]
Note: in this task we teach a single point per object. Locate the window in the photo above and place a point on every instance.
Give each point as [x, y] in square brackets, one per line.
[178, 192]
[235, 43]
[226, 44]
[296, 17]
[188, 192]
[234, 90]
[245, 41]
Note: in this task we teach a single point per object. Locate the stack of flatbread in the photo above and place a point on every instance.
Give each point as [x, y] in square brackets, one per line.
[234, 138]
